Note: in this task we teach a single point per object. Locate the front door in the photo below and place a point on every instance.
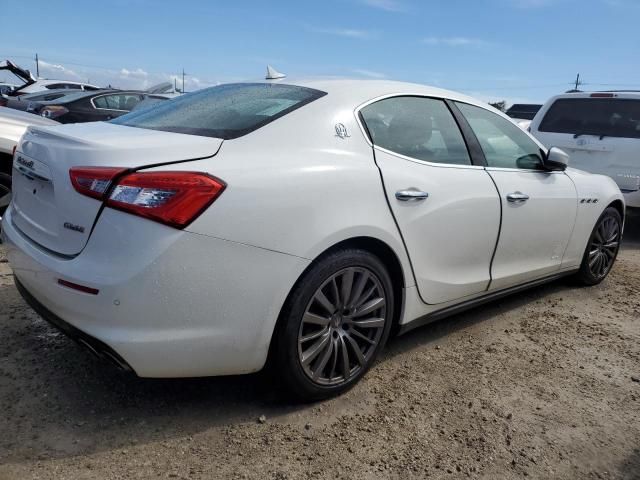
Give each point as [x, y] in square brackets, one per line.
[538, 207]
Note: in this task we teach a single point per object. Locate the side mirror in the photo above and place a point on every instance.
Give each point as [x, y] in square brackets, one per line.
[556, 160]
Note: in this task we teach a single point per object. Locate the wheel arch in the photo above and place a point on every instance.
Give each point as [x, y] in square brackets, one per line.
[618, 205]
[372, 245]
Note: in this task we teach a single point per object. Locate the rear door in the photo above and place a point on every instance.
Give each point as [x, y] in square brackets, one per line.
[447, 209]
[601, 133]
[538, 207]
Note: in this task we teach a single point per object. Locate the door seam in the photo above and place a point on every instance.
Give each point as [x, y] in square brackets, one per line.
[495, 249]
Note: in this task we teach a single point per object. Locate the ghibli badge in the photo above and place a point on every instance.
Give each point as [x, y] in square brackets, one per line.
[24, 163]
[75, 228]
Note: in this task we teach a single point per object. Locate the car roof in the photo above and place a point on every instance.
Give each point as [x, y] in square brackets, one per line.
[623, 95]
[359, 91]
[84, 94]
[47, 81]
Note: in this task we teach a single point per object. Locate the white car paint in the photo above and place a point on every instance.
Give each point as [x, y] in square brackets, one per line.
[13, 124]
[616, 157]
[205, 300]
[523, 124]
[42, 85]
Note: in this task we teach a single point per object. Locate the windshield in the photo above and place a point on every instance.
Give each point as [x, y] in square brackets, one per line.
[226, 111]
[606, 117]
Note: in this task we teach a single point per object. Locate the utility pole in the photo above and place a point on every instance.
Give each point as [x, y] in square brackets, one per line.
[37, 67]
[578, 82]
[182, 79]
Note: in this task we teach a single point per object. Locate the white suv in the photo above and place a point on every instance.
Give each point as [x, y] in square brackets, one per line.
[601, 132]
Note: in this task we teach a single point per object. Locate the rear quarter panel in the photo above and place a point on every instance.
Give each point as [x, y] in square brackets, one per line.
[295, 186]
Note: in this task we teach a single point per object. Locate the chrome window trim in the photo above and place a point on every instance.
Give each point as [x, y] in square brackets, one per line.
[399, 155]
[111, 109]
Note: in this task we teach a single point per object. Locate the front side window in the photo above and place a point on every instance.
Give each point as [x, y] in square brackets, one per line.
[416, 127]
[503, 143]
[605, 117]
[226, 111]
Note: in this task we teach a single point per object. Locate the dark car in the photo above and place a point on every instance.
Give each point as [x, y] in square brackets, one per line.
[23, 102]
[88, 106]
[523, 111]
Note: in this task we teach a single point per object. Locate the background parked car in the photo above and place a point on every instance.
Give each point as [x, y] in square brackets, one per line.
[89, 106]
[601, 132]
[6, 88]
[523, 111]
[31, 84]
[22, 102]
[13, 123]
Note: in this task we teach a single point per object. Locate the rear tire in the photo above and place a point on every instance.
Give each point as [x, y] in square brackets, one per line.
[602, 248]
[334, 324]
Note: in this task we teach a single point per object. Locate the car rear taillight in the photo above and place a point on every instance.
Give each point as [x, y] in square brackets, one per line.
[93, 181]
[53, 112]
[173, 198]
[602, 95]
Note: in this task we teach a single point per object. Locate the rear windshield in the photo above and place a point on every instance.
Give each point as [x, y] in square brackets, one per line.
[607, 117]
[226, 111]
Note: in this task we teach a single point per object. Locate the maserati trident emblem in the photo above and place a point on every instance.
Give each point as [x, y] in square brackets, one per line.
[75, 228]
[341, 130]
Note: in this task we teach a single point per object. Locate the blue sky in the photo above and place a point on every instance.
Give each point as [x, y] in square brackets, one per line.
[518, 50]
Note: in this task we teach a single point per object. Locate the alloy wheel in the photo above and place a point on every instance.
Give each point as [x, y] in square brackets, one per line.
[604, 246]
[342, 326]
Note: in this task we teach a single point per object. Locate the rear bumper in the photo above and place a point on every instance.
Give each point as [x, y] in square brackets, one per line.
[95, 346]
[170, 303]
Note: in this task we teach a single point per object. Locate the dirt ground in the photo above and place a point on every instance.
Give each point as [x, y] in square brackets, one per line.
[545, 384]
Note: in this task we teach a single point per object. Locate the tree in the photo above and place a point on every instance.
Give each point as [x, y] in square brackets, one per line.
[502, 106]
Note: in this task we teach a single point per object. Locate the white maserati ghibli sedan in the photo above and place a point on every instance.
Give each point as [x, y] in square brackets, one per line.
[295, 222]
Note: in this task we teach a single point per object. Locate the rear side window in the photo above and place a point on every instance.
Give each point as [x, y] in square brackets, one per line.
[227, 111]
[416, 127]
[124, 102]
[609, 117]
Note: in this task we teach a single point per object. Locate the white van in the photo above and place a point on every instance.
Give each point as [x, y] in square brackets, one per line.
[601, 133]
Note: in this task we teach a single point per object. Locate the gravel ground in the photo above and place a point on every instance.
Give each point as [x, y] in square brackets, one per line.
[545, 384]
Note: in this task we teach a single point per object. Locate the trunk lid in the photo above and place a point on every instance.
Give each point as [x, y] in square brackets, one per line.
[46, 207]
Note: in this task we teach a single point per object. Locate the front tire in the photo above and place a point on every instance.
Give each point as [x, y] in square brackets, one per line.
[602, 248]
[335, 322]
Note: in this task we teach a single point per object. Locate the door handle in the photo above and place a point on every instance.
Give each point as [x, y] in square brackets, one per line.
[517, 197]
[411, 195]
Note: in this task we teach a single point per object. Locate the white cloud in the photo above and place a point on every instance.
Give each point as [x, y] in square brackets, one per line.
[368, 73]
[388, 5]
[137, 73]
[56, 70]
[126, 78]
[455, 42]
[344, 32]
